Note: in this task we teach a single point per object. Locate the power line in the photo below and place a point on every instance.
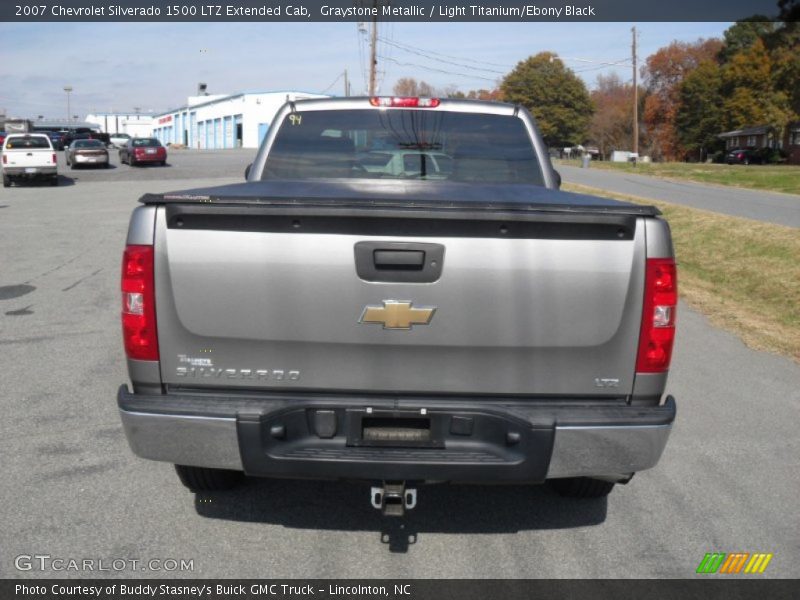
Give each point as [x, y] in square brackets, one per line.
[333, 82]
[403, 46]
[434, 69]
[622, 61]
[603, 66]
[449, 62]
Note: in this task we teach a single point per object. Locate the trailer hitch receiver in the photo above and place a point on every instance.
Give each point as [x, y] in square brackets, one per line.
[393, 498]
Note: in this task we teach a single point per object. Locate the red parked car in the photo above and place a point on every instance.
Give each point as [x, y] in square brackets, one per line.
[2, 137]
[143, 150]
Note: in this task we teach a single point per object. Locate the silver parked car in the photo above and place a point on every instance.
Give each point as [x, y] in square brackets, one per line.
[87, 153]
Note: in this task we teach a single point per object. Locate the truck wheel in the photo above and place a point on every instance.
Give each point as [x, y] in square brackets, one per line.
[202, 479]
[54, 181]
[6, 181]
[582, 487]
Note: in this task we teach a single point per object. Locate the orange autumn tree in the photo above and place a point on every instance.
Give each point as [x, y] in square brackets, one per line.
[611, 127]
[749, 93]
[663, 74]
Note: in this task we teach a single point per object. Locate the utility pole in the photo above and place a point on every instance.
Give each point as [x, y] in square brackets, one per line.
[373, 58]
[635, 100]
[346, 84]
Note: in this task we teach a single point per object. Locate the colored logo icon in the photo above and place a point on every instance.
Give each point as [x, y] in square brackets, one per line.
[734, 563]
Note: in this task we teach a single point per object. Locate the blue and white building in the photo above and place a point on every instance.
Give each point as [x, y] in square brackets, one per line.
[134, 124]
[223, 121]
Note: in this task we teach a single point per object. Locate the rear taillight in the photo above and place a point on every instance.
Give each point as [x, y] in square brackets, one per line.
[55, 160]
[405, 102]
[5, 159]
[658, 316]
[139, 331]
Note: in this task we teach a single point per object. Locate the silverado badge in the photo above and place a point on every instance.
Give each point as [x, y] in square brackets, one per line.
[395, 314]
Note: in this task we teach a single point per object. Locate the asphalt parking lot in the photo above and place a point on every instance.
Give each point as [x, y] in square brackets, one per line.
[729, 480]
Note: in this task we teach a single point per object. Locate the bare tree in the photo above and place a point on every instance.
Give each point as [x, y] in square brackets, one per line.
[408, 86]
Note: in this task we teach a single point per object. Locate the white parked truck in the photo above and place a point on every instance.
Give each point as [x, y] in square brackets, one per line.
[28, 156]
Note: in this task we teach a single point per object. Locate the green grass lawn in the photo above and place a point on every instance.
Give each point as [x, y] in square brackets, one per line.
[744, 275]
[775, 178]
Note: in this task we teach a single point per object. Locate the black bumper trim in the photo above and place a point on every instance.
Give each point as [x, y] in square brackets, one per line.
[279, 435]
[535, 410]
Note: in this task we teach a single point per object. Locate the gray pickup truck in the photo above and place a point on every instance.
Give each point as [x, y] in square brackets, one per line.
[456, 319]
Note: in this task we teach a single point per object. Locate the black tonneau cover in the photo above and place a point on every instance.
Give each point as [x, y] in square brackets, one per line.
[393, 194]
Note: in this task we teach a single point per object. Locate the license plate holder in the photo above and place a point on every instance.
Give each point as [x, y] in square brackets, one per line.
[393, 429]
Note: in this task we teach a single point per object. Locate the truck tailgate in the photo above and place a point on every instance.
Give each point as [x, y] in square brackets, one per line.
[28, 157]
[290, 296]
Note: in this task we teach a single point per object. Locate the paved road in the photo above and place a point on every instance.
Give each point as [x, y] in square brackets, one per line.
[783, 209]
[729, 480]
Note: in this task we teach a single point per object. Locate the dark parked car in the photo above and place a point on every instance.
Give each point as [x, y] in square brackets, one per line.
[103, 137]
[71, 136]
[56, 137]
[87, 153]
[83, 134]
[747, 156]
[143, 150]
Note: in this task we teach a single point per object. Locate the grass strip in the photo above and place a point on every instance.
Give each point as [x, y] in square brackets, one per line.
[744, 275]
[773, 178]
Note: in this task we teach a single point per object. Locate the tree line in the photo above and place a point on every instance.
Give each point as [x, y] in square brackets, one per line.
[690, 92]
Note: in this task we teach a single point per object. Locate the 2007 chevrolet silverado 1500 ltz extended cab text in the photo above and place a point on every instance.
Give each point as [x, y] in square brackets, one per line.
[463, 322]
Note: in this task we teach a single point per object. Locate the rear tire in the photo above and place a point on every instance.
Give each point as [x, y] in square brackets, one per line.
[203, 479]
[582, 487]
[54, 181]
[6, 181]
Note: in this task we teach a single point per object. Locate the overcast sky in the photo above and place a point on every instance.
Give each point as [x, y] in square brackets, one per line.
[155, 66]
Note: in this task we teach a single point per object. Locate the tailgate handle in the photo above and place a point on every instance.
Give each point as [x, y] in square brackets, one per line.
[399, 262]
[399, 259]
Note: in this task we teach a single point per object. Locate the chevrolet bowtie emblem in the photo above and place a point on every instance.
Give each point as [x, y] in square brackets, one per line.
[397, 315]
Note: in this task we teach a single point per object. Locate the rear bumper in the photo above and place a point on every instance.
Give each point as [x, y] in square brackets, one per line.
[90, 160]
[315, 436]
[148, 158]
[30, 171]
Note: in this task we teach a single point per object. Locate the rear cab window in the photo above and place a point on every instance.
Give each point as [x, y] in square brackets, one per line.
[89, 144]
[146, 142]
[403, 144]
[28, 142]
